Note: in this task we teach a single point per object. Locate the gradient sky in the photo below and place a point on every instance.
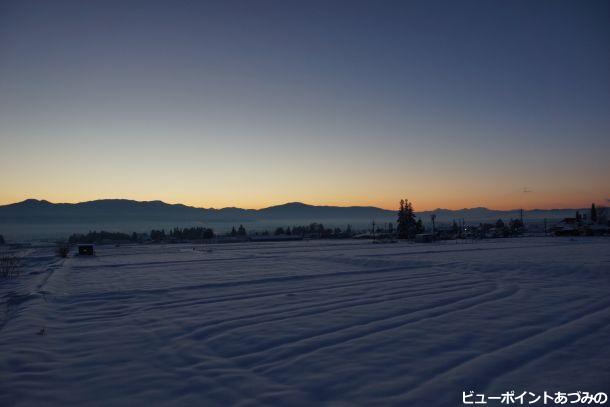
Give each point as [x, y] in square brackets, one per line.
[253, 103]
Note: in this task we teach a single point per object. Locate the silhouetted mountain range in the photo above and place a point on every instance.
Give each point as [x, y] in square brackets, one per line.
[119, 210]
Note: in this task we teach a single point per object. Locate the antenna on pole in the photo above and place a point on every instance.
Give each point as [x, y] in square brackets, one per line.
[521, 216]
[526, 190]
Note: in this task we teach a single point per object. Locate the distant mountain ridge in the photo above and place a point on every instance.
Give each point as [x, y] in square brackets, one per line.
[116, 210]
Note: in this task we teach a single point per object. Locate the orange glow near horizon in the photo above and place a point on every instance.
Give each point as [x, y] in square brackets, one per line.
[210, 174]
[525, 201]
[265, 111]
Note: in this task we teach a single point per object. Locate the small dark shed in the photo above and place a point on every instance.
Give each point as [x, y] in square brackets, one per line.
[86, 249]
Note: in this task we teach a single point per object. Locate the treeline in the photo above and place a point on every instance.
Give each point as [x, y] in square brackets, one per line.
[97, 237]
[241, 231]
[194, 233]
[514, 227]
[313, 230]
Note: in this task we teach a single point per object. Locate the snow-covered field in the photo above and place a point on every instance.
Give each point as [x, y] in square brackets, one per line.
[306, 323]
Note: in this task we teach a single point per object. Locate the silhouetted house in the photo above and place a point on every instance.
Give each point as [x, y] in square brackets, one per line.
[569, 221]
[86, 249]
[567, 227]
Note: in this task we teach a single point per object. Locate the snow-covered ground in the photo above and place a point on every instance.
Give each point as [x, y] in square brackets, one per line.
[306, 323]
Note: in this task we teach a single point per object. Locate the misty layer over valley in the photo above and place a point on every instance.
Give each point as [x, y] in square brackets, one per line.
[39, 219]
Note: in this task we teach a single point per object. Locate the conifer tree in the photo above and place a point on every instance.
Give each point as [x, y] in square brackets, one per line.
[407, 226]
[593, 213]
[412, 226]
[401, 227]
[419, 227]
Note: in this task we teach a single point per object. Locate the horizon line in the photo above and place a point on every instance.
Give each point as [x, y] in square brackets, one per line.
[296, 202]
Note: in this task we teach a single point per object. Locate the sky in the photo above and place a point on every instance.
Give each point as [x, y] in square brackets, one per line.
[256, 103]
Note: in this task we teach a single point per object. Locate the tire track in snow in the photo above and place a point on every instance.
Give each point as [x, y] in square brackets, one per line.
[300, 355]
[482, 369]
[348, 297]
[14, 299]
[457, 250]
[297, 291]
[319, 308]
[281, 280]
[305, 345]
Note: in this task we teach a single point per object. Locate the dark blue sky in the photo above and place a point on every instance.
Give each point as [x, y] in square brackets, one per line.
[325, 102]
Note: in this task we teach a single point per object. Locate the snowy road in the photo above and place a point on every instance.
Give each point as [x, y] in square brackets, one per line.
[307, 323]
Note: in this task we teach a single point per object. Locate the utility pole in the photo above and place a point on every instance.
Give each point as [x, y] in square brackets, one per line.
[462, 230]
[545, 226]
[522, 216]
[522, 224]
[373, 229]
[433, 218]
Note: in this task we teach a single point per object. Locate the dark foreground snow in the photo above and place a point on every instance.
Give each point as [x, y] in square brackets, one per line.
[306, 323]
